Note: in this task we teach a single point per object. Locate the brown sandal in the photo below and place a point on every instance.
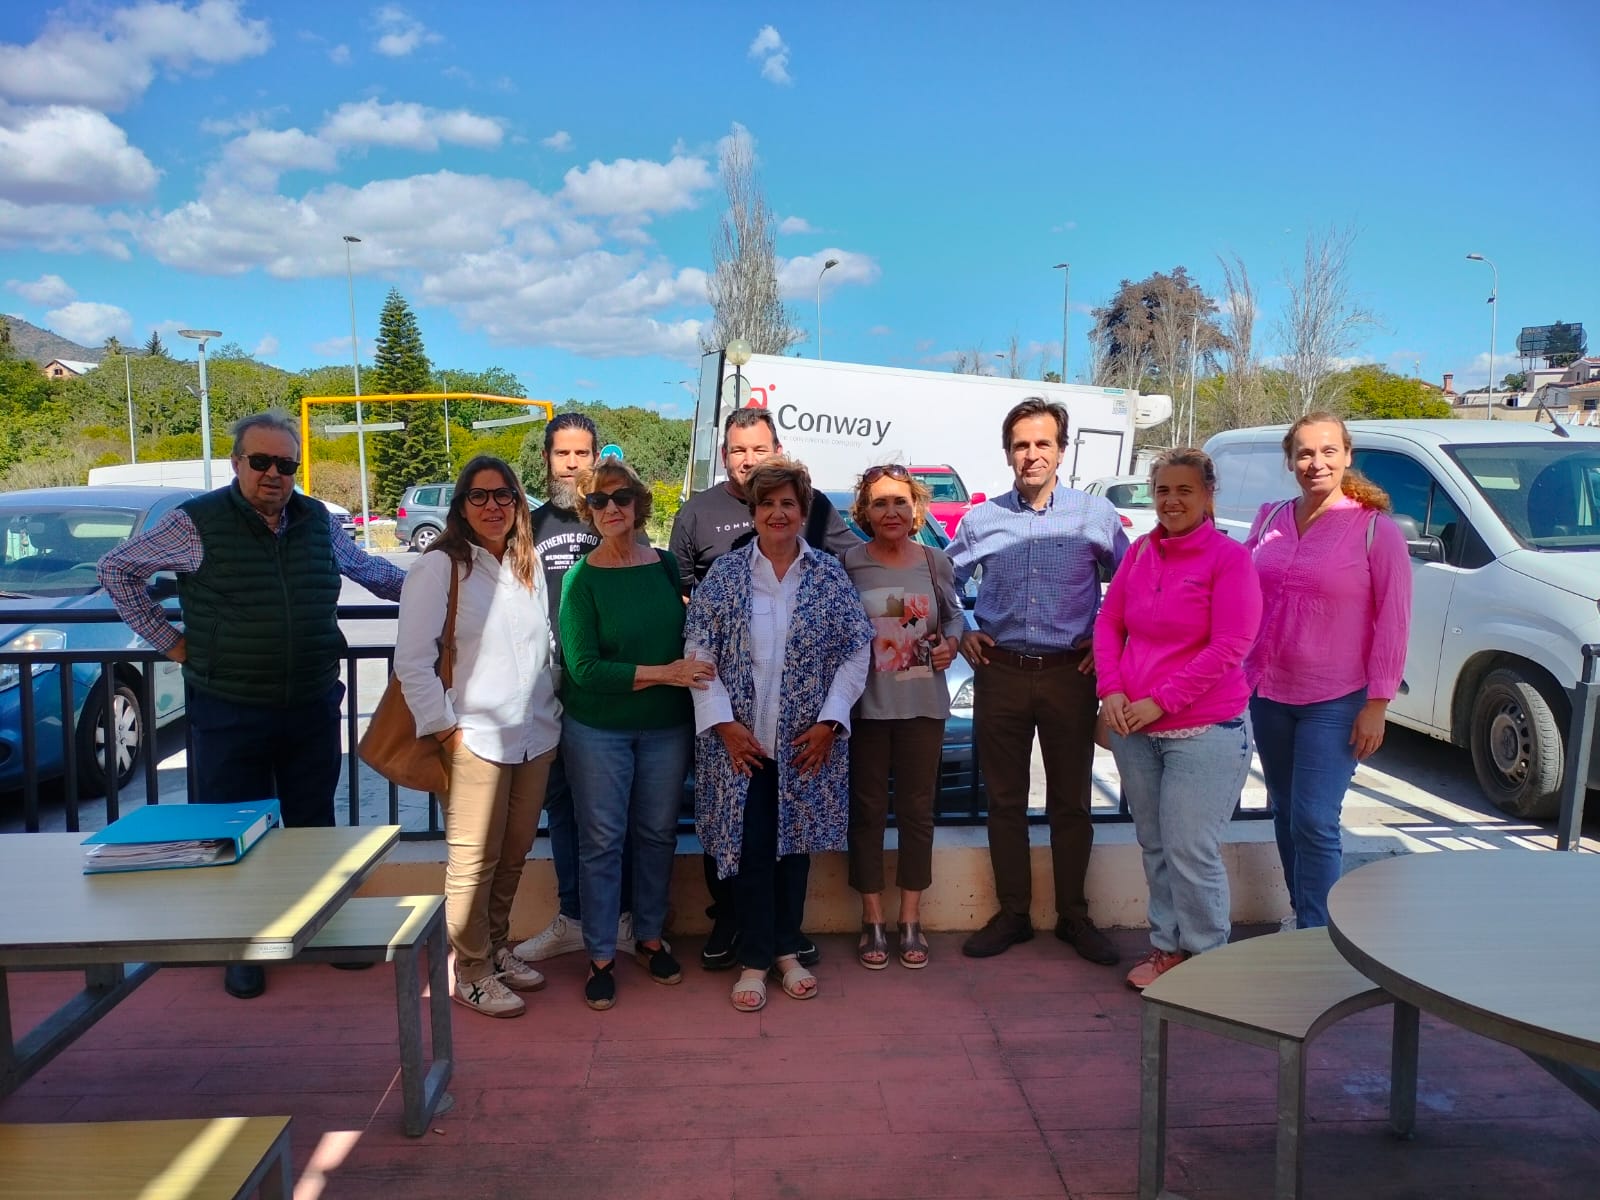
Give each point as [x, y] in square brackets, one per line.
[912, 942]
[874, 941]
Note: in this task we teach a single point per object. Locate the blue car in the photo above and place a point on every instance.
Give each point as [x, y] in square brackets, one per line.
[51, 540]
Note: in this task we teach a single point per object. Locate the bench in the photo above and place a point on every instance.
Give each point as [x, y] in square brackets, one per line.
[224, 1158]
[375, 929]
[1278, 991]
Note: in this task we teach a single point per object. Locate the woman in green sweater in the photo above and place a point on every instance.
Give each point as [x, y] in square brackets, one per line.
[628, 724]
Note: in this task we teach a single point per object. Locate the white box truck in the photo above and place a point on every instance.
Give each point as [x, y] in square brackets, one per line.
[840, 418]
[190, 473]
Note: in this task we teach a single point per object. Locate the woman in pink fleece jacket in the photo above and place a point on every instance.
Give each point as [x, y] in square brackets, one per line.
[1336, 576]
[1169, 650]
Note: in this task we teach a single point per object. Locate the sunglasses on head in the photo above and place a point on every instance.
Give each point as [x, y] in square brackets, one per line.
[504, 497]
[622, 497]
[260, 462]
[892, 470]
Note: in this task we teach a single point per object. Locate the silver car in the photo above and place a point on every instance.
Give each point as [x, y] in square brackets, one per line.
[420, 517]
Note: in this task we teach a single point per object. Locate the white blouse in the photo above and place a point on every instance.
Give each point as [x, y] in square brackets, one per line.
[503, 697]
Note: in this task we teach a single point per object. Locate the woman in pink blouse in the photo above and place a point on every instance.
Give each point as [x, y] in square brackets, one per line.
[1336, 581]
[1169, 650]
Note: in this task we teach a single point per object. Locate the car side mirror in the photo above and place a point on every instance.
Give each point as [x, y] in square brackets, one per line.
[977, 498]
[163, 586]
[1426, 549]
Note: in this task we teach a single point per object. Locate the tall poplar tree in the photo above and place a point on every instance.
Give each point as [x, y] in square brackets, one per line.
[416, 454]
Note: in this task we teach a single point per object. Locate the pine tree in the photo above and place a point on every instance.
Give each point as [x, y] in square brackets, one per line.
[415, 455]
[155, 347]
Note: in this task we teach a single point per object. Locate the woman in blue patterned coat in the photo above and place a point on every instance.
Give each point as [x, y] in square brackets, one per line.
[784, 628]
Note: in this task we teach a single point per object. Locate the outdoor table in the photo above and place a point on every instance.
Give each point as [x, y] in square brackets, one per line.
[1498, 942]
[120, 928]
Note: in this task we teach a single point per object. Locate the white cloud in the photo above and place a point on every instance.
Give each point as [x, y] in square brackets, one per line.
[586, 384]
[61, 229]
[267, 347]
[399, 32]
[260, 156]
[636, 187]
[339, 56]
[879, 331]
[773, 53]
[244, 122]
[47, 289]
[407, 125]
[88, 323]
[110, 64]
[795, 225]
[59, 154]
[1475, 376]
[797, 277]
[1064, 227]
[560, 140]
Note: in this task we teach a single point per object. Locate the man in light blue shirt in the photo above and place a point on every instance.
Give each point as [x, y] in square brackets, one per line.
[1038, 551]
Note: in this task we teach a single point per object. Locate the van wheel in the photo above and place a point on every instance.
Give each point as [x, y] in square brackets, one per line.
[424, 537]
[127, 743]
[1518, 749]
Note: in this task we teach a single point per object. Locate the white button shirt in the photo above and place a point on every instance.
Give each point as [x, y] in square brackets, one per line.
[503, 697]
[771, 607]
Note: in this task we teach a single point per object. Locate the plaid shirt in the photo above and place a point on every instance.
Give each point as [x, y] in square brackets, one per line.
[1039, 589]
[173, 544]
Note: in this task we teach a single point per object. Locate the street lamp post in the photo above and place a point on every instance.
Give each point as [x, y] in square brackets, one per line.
[826, 267]
[1494, 319]
[1066, 297]
[738, 353]
[355, 369]
[127, 378]
[202, 336]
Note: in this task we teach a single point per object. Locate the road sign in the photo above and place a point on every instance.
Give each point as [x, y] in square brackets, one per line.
[369, 427]
[611, 450]
[500, 421]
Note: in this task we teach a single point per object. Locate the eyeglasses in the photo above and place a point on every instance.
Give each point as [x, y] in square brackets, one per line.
[504, 497]
[260, 462]
[622, 497]
[892, 470]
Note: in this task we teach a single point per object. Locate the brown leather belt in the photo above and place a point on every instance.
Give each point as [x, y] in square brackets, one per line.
[1033, 662]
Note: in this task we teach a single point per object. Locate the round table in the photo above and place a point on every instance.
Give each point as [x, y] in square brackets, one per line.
[1500, 942]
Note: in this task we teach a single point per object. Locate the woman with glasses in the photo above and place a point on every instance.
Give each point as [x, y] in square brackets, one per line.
[908, 592]
[499, 722]
[789, 642]
[625, 735]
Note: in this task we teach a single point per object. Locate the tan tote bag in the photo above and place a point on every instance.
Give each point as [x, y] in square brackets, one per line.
[390, 745]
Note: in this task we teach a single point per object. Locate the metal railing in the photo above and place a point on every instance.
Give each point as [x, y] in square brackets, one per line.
[962, 798]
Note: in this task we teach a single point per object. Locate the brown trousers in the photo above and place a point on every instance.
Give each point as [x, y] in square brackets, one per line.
[1010, 704]
[912, 749]
[491, 817]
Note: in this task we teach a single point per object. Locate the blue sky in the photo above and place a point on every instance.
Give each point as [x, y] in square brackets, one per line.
[540, 179]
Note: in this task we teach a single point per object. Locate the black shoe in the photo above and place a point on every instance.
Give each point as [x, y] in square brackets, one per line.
[353, 966]
[663, 967]
[244, 981]
[1003, 931]
[600, 990]
[808, 954]
[1088, 941]
[720, 951]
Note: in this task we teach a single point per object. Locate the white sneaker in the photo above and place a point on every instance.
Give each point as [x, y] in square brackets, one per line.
[488, 996]
[625, 942]
[1289, 924]
[561, 936]
[515, 973]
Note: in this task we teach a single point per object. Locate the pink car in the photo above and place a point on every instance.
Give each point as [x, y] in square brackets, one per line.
[950, 498]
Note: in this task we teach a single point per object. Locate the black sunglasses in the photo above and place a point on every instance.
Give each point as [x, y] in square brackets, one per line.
[598, 500]
[260, 462]
[893, 470]
[504, 497]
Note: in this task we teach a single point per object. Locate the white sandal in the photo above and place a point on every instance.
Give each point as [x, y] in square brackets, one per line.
[756, 984]
[794, 977]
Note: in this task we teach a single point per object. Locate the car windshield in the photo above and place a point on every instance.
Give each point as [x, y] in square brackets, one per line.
[946, 486]
[1130, 495]
[53, 551]
[1547, 493]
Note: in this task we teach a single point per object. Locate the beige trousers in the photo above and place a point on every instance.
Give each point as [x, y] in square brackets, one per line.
[491, 817]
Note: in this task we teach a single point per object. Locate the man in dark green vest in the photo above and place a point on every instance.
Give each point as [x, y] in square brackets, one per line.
[258, 568]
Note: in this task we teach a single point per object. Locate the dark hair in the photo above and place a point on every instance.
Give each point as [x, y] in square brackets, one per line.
[614, 468]
[1188, 456]
[861, 509]
[776, 474]
[458, 539]
[1354, 484]
[1035, 406]
[570, 420]
[274, 419]
[747, 418]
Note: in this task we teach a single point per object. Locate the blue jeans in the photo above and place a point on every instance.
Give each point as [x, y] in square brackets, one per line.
[625, 782]
[1307, 761]
[245, 752]
[563, 829]
[1182, 792]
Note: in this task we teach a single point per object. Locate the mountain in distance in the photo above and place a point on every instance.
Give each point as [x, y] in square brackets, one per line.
[41, 346]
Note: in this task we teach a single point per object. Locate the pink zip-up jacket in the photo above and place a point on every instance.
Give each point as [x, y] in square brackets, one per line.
[1177, 621]
[1337, 614]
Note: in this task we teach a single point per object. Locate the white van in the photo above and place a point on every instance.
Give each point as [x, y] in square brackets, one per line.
[1503, 521]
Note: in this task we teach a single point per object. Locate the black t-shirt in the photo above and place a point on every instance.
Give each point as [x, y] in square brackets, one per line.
[712, 522]
[560, 540]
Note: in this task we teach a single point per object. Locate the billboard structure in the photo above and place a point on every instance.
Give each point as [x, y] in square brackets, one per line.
[1559, 345]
